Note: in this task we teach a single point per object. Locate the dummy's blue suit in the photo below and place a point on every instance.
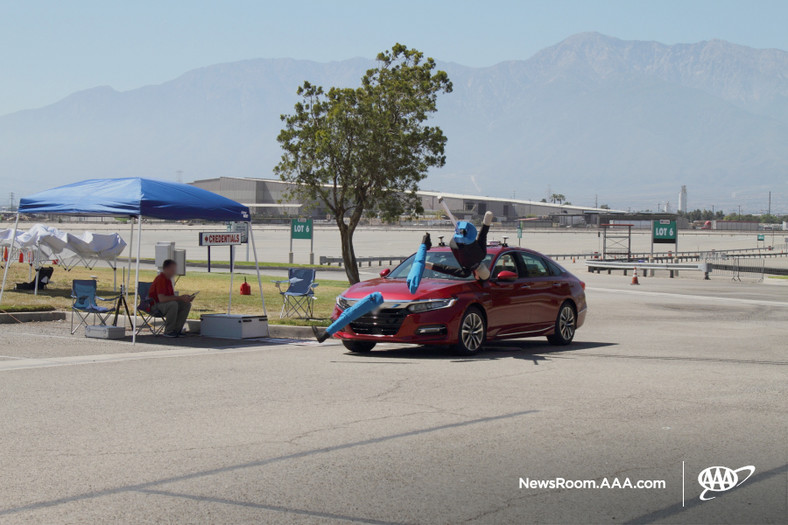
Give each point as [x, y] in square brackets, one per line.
[360, 309]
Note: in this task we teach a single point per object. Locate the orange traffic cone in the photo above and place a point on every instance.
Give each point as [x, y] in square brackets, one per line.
[635, 277]
[573, 260]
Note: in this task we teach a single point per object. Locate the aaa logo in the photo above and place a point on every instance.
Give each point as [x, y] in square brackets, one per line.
[721, 479]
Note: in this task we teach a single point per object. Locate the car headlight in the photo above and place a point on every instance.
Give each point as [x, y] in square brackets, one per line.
[433, 304]
[343, 303]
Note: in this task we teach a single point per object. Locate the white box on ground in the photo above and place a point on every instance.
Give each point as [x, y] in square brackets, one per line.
[233, 326]
[105, 332]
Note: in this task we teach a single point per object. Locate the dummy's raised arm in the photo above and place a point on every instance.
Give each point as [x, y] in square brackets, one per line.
[417, 269]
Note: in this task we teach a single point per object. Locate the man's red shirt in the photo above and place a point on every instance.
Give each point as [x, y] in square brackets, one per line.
[161, 286]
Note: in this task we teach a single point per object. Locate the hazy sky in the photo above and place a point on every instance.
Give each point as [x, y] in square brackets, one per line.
[49, 49]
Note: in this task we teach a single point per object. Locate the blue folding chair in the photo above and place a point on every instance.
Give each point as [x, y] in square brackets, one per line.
[299, 296]
[83, 295]
[148, 312]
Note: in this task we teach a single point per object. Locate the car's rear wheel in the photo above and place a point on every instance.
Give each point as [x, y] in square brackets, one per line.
[359, 347]
[565, 326]
[473, 330]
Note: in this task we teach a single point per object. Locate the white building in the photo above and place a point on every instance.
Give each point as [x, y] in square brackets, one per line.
[683, 200]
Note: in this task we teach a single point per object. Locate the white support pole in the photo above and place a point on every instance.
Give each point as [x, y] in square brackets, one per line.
[136, 279]
[34, 256]
[232, 265]
[10, 257]
[131, 245]
[257, 268]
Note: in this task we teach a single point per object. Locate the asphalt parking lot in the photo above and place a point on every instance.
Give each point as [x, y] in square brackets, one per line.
[671, 374]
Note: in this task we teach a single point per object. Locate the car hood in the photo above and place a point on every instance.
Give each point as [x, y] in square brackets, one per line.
[397, 289]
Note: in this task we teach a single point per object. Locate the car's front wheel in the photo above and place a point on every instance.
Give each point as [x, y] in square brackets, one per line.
[359, 347]
[473, 330]
[565, 326]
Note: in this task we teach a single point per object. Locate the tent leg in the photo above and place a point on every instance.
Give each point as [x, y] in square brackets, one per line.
[115, 275]
[232, 265]
[136, 279]
[131, 247]
[257, 268]
[10, 257]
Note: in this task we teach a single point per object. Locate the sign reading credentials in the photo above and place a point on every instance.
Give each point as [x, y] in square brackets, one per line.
[664, 231]
[220, 238]
[301, 229]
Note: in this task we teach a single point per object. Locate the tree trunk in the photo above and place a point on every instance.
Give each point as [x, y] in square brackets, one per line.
[348, 254]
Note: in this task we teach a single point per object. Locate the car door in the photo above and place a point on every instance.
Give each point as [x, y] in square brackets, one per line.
[540, 284]
[509, 299]
[561, 289]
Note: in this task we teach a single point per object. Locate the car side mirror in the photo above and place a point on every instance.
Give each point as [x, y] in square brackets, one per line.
[507, 276]
[385, 272]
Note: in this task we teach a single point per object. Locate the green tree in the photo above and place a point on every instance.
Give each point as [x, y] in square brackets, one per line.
[557, 198]
[365, 150]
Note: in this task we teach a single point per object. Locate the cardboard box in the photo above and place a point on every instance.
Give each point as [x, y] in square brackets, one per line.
[233, 326]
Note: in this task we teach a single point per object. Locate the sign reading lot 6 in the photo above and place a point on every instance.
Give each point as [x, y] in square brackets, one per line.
[664, 231]
[301, 229]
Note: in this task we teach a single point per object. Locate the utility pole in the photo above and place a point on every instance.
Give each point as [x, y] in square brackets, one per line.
[770, 203]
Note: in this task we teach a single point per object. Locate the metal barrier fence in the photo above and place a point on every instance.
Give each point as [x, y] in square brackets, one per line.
[740, 267]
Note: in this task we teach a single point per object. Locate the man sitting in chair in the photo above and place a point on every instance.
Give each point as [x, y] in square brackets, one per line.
[174, 308]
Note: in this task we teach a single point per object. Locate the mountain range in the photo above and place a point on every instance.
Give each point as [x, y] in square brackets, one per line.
[592, 117]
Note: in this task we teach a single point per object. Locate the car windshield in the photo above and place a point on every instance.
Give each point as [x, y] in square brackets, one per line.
[445, 258]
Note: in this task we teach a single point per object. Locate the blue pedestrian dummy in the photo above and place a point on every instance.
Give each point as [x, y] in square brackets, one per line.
[361, 308]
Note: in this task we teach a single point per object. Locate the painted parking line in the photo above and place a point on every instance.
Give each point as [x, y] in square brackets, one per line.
[24, 363]
[757, 302]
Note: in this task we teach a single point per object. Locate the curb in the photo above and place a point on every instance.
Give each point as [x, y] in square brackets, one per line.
[276, 331]
[222, 265]
[29, 317]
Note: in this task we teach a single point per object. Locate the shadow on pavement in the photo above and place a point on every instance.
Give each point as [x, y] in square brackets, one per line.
[195, 341]
[532, 350]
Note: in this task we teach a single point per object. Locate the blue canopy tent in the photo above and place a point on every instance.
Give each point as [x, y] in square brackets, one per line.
[137, 198]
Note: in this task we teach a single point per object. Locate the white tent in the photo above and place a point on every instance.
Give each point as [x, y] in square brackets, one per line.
[46, 243]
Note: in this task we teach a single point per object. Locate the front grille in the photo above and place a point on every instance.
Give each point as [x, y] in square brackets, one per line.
[382, 322]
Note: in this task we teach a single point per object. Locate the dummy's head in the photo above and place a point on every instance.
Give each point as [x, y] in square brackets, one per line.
[465, 233]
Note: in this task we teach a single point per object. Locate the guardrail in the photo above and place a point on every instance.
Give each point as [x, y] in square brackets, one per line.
[597, 266]
[698, 255]
[361, 260]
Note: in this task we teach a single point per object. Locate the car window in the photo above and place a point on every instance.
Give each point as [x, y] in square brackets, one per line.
[443, 257]
[534, 266]
[555, 268]
[505, 262]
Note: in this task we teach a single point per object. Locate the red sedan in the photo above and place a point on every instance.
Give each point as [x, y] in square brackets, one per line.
[527, 295]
